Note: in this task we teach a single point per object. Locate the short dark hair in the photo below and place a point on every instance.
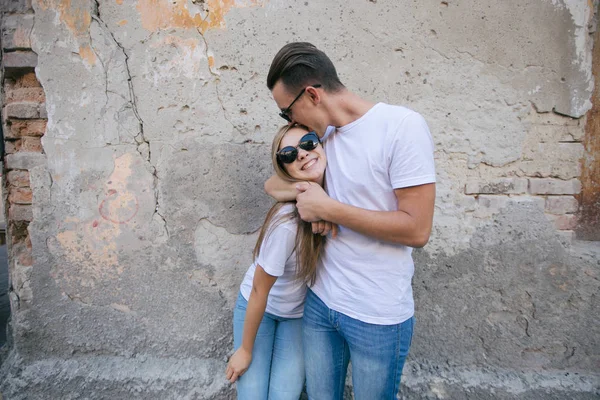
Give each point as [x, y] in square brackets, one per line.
[299, 64]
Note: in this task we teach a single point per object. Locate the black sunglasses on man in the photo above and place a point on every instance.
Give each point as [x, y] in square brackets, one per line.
[287, 112]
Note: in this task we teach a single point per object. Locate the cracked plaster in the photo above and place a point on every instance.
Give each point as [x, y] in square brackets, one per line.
[157, 148]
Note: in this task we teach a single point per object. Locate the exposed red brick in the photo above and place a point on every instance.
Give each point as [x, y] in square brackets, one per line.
[565, 222]
[22, 110]
[554, 186]
[24, 160]
[19, 128]
[27, 80]
[33, 144]
[20, 212]
[561, 204]
[17, 31]
[17, 230]
[12, 146]
[18, 178]
[25, 258]
[20, 195]
[25, 94]
[499, 186]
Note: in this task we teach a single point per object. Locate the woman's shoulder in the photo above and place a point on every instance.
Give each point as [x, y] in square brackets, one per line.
[286, 216]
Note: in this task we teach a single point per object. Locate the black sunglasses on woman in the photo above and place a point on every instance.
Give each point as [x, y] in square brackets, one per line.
[308, 142]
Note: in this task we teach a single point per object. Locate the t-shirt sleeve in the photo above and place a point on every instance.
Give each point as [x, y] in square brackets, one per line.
[411, 153]
[276, 248]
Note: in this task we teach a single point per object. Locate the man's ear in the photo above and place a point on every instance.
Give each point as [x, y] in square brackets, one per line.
[315, 95]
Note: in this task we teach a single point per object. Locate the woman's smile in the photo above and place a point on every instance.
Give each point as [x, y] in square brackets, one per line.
[309, 164]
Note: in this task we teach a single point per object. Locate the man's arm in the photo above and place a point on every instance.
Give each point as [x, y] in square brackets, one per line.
[410, 225]
[280, 190]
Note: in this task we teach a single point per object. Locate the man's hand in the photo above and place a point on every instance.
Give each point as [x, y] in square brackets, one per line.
[324, 227]
[238, 364]
[311, 201]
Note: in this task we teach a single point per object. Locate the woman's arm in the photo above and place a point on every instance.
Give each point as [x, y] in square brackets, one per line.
[241, 359]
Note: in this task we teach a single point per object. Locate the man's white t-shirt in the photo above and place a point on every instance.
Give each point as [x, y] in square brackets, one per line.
[390, 147]
[278, 258]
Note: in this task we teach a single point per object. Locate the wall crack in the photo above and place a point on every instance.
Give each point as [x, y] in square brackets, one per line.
[217, 80]
[143, 144]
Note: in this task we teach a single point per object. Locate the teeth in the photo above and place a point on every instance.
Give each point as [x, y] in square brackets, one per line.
[309, 164]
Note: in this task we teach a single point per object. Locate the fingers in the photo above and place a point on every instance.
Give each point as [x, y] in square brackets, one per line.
[317, 227]
[302, 186]
[233, 375]
[334, 230]
[323, 228]
[326, 229]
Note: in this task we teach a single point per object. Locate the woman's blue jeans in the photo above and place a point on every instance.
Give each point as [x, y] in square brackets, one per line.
[277, 368]
[331, 339]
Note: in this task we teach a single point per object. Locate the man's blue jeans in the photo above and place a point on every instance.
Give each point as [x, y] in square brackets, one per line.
[331, 339]
[277, 368]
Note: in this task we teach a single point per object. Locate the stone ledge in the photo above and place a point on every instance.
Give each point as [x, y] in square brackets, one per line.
[485, 383]
[115, 377]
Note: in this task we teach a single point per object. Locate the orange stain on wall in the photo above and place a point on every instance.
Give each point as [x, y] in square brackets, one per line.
[77, 18]
[165, 14]
[86, 52]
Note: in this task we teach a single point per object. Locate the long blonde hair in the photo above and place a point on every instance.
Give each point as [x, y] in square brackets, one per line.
[308, 245]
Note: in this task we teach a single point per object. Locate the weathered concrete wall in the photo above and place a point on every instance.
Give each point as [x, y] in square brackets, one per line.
[134, 217]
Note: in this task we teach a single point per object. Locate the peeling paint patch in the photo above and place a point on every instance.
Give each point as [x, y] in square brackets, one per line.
[76, 16]
[91, 247]
[187, 59]
[581, 14]
[87, 53]
[164, 14]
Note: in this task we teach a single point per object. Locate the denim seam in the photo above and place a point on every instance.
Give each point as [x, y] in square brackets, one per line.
[342, 372]
[396, 389]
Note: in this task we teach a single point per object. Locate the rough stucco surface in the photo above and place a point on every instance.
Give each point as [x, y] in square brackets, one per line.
[146, 206]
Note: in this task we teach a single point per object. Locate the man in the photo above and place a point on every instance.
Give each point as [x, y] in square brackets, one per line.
[380, 184]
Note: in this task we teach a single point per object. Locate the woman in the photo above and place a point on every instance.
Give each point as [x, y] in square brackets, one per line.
[267, 321]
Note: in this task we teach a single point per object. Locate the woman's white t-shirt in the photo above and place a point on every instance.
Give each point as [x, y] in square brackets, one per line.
[278, 258]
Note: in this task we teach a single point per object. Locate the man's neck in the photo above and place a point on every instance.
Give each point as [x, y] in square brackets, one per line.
[346, 107]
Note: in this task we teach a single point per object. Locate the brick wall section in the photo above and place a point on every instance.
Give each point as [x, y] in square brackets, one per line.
[541, 177]
[24, 122]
